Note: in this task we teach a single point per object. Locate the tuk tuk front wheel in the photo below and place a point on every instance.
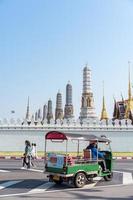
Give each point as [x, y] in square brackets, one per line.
[80, 180]
[108, 177]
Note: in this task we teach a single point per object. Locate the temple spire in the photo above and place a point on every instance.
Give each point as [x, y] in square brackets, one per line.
[129, 108]
[58, 110]
[104, 114]
[115, 109]
[28, 110]
[87, 100]
[49, 111]
[129, 84]
[68, 110]
[122, 98]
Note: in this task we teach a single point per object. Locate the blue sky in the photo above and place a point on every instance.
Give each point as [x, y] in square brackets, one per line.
[46, 43]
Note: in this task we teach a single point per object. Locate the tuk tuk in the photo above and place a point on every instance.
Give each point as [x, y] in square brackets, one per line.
[80, 168]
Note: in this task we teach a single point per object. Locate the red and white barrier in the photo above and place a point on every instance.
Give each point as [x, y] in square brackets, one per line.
[42, 158]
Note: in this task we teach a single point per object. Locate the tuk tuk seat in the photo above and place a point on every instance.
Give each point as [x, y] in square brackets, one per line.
[87, 154]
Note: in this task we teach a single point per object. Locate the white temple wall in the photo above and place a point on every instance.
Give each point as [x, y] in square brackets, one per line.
[13, 140]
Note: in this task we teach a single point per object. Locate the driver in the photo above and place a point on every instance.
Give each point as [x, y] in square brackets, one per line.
[96, 154]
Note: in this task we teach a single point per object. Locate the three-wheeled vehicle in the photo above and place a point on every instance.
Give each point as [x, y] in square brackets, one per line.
[62, 166]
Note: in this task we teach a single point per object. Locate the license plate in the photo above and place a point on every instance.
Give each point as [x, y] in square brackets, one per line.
[57, 178]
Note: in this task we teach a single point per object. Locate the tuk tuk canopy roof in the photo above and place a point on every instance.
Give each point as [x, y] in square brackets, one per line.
[56, 135]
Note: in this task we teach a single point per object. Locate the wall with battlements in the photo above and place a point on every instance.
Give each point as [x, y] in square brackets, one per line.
[13, 133]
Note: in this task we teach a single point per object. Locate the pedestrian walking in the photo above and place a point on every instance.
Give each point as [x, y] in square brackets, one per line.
[27, 154]
[25, 161]
[34, 154]
[35, 150]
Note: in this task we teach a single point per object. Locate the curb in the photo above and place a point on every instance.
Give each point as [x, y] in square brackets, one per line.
[16, 158]
[42, 158]
[123, 158]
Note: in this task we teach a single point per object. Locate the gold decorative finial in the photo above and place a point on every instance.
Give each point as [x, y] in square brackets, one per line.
[122, 97]
[104, 114]
[129, 107]
[129, 83]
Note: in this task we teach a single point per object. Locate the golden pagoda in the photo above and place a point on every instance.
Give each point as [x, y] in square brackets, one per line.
[104, 114]
[129, 104]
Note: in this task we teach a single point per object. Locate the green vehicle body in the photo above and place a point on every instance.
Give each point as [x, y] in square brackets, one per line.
[74, 169]
[81, 168]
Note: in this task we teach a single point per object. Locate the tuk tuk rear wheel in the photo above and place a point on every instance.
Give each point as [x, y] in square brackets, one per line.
[108, 177]
[80, 180]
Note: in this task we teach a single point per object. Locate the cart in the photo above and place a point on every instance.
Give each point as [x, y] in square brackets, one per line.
[77, 169]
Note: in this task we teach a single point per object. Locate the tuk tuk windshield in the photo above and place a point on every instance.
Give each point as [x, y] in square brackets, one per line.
[104, 146]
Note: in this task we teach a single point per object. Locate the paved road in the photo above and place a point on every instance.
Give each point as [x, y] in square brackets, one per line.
[17, 183]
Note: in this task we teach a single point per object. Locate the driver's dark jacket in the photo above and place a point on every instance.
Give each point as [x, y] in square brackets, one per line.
[94, 152]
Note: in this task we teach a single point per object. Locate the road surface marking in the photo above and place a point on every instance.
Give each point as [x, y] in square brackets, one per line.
[97, 178]
[43, 191]
[7, 184]
[36, 170]
[44, 187]
[91, 185]
[127, 177]
[1, 170]
[41, 188]
[107, 186]
[118, 171]
[33, 170]
[38, 190]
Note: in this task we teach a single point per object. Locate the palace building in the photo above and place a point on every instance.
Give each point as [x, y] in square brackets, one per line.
[124, 109]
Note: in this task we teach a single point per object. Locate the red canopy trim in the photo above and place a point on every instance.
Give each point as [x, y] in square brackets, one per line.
[55, 135]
